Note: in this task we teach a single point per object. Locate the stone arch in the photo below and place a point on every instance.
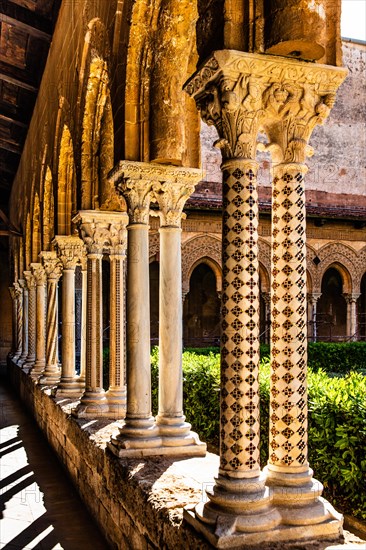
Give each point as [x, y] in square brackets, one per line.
[216, 268]
[48, 210]
[345, 259]
[193, 250]
[264, 278]
[36, 229]
[264, 255]
[66, 189]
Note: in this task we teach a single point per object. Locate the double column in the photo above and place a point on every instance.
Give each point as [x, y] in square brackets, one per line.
[242, 94]
[39, 275]
[24, 316]
[30, 300]
[141, 434]
[16, 293]
[352, 326]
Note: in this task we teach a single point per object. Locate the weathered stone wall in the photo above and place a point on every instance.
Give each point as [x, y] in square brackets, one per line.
[137, 503]
[338, 165]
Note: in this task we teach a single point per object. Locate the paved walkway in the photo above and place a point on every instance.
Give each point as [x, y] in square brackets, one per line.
[39, 507]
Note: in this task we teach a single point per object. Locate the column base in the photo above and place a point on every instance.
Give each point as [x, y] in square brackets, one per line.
[28, 364]
[138, 437]
[50, 377]
[177, 437]
[68, 388]
[93, 404]
[117, 403]
[37, 370]
[227, 531]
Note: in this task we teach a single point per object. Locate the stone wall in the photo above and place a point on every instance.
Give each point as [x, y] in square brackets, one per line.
[137, 503]
[6, 308]
[338, 164]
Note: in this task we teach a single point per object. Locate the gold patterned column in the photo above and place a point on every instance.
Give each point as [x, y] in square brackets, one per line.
[32, 336]
[241, 94]
[239, 508]
[53, 269]
[171, 195]
[39, 275]
[70, 250]
[138, 435]
[116, 394]
[24, 354]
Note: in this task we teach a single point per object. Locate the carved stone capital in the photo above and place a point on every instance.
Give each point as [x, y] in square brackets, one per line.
[39, 273]
[137, 181]
[18, 289]
[12, 293]
[313, 297]
[103, 231]
[241, 93]
[22, 284]
[352, 297]
[52, 265]
[171, 197]
[30, 280]
[70, 250]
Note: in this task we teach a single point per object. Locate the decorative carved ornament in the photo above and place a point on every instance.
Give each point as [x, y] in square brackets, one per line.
[52, 265]
[142, 183]
[70, 250]
[242, 93]
[103, 231]
[29, 280]
[39, 274]
[171, 197]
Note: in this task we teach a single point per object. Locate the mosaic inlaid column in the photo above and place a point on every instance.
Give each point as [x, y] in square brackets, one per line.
[32, 336]
[241, 94]
[19, 321]
[239, 507]
[116, 394]
[171, 197]
[53, 269]
[138, 435]
[24, 354]
[14, 331]
[40, 277]
[94, 228]
[70, 250]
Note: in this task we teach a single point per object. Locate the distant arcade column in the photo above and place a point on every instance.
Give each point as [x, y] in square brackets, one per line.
[32, 335]
[40, 278]
[23, 355]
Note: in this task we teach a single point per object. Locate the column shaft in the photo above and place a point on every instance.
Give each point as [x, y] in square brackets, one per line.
[84, 276]
[32, 337]
[24, 353]
[40, 362]
[51, 374]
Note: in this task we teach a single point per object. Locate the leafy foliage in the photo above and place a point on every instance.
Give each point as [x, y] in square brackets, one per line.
[337, 419]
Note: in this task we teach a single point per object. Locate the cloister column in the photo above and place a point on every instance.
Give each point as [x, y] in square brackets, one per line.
[351, 300]
[19, 320]
[241, 93]
[14, 300]
[24, 354]
[31, 325]
[95, 230]
[171, 196]
[70, 250]
[116, 394]
[138, 435]
[267, 314]
[313, 299]
[53, 269]
[239, 508]
[300, 99]
[84, 295]
[39, 275]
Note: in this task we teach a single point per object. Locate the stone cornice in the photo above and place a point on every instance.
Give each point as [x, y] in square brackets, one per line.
[242, 93]
[103, 231]
[149, 171]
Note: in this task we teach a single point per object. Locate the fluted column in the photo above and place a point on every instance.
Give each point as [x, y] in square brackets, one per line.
[171, 196]
[240, 94]
[24, 354]
[32, 335]
[19, 320]
[70, 250]
[116, 394]
[138, 435]
[40, 277]
[53, 269]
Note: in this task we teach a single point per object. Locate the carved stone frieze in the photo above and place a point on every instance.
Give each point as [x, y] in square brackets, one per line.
[38, 273]
[241, 93]
[136, 181]
[70, 250]
[52, 265]
[103, 231]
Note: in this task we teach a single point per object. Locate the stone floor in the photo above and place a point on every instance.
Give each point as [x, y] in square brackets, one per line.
[39, 506]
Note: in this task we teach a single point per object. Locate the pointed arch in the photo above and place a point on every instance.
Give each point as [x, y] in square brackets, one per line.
[48, 210]
[66, 189]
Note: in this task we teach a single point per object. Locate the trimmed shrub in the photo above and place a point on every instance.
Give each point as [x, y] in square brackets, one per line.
[337, 357]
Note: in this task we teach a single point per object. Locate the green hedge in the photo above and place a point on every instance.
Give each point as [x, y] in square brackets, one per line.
[337, 422]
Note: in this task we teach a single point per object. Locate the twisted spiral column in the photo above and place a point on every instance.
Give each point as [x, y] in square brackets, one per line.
[24, 354]
[14, 320]
[32, 335]
[19, 322]
[40, 278]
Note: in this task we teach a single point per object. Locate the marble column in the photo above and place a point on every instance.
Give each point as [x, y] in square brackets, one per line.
[24, 354]
[116, 394]
[19, 321]
[267, 314]
[241, 94]
[53, 269]
[40, 277]
[14, 331]
[96, 231]
[313, 299]
[138, 435]
[84, 284]
[32, 336]
[70, 250]
[171, 196]
[352, 325]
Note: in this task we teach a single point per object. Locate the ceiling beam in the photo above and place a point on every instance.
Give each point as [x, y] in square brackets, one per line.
[13, 121]
[17, 82]
[10, 146]
[32, 31]
[15, 10]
